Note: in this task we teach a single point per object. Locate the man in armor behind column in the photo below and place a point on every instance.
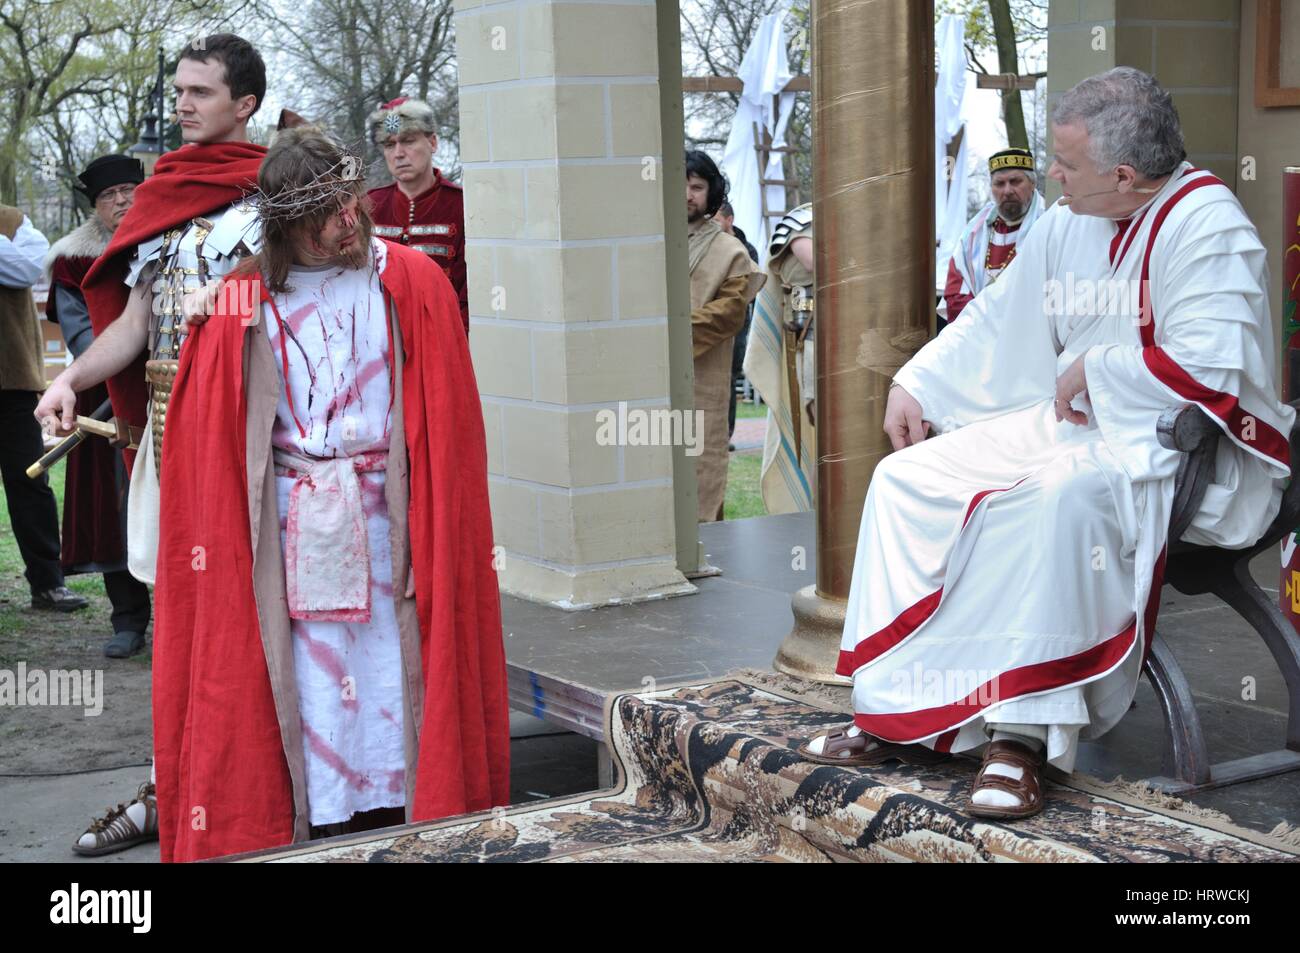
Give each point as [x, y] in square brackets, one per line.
[781, 364]
[189, 223]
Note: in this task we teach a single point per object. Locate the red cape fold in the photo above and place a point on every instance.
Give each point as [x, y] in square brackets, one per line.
[193, 180]
[216, 737]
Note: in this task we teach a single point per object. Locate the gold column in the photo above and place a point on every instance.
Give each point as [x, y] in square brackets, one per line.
[873, 222]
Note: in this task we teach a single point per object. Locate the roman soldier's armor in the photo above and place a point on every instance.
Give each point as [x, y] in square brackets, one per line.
[177, 261]
[797, 313]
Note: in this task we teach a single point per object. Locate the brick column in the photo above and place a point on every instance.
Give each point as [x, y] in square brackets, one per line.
[560, 142]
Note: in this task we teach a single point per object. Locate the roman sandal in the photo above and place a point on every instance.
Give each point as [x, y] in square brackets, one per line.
[117, 831]
[1027, 788]
[863, 749]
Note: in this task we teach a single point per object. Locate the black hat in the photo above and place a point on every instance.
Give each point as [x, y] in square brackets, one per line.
[1011, 159]
[108, 171]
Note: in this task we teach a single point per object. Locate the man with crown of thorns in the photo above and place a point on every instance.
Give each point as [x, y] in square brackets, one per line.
[329, 654]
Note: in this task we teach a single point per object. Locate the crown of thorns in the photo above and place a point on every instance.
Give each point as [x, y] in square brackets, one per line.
[326, 191]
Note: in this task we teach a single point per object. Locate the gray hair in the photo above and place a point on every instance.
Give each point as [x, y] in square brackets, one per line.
[1130, 119]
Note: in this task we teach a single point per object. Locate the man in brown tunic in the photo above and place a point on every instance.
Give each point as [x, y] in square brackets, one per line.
[724, 280]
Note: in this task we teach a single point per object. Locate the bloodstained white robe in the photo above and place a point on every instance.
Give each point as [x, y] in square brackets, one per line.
[349, 673]
[1007, 571]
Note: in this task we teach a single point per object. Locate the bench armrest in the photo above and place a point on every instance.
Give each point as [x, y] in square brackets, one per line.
[1185, 427]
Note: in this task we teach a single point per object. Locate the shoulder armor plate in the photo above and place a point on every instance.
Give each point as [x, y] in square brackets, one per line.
[794, 222]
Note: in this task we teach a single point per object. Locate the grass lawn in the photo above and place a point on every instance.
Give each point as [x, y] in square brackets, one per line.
[17, 620]
[743, 498]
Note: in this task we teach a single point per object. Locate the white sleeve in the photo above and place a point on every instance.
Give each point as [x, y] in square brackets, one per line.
[21, 258]
[1208, 292]
[999, 355]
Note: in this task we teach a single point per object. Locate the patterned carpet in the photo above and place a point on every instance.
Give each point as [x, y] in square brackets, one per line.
[708, 773]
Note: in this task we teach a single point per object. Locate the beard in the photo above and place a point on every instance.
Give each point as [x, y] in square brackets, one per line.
[1012, 209]
[356, 254]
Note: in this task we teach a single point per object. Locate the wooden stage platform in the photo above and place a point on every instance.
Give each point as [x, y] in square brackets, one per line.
[562, 664]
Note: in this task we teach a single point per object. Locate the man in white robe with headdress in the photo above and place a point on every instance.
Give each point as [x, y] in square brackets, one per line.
[988, 242]
[1008, 570]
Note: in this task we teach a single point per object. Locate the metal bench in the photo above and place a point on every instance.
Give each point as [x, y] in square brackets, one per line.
[1192, 570]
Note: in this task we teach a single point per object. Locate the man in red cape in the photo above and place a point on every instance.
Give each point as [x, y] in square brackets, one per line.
[186, 221]
[193, 181]
[232, 736]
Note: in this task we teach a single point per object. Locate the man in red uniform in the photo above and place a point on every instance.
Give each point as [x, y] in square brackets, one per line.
[421, 209]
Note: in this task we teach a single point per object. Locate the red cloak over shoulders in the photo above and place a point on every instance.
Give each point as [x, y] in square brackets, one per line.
[217, 740]
[190, 181]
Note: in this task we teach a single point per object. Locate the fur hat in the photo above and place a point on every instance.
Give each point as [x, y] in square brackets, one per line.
[399, 116]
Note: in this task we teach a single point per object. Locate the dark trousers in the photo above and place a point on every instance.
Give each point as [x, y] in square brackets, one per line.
[130, 598]
[33, 512]
[738, 367]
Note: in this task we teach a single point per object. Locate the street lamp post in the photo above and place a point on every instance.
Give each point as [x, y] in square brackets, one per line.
[152, 142]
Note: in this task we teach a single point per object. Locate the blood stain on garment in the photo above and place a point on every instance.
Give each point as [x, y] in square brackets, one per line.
[364, 376]
[324, 656]
[322, 750]
[299, 316]
[372, 497]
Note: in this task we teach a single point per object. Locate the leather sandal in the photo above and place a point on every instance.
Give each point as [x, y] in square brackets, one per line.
[1028, 788]
[116, 831]
[852, 750]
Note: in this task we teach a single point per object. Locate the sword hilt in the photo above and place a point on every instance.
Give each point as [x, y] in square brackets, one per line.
[119, 435]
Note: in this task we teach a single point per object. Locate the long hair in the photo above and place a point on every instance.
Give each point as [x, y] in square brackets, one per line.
[304, 180]
[699, 163]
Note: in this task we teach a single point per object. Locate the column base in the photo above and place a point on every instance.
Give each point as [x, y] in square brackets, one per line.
[812, 649]
[573, 589]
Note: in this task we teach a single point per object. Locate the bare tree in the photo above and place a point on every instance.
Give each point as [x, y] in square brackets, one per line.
[77, 81]
[41, 70]
[348, 56]
[1007, 26]
[715, 36]
[1004, 34]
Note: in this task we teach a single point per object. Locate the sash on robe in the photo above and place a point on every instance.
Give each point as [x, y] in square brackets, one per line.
[784, 480]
